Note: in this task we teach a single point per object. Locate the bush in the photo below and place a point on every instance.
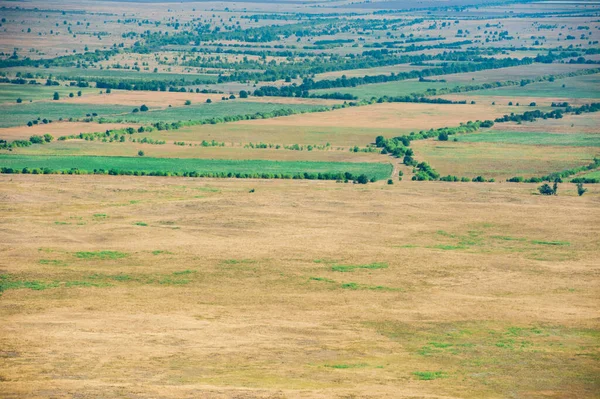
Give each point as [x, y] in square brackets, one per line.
[580, 189]
[443, 136]
[36, 139]
[188, 102]
[143, 108]
[56, 96]
[140, 153]
[48, 138]
[208, 101]
[243, 94]
[545, 189]
[362, 179]
[19, 101]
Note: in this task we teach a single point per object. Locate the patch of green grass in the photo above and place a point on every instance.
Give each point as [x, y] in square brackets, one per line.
[102, 255]
[159, 252]
[170, 281]
[326, 280]
[85, 284]
[61, 223]
[555, 243]
[507, 238]
[53, 262]
[100, 216]
[141, 224]
[429, 375]
[236, 261]
[184, 272]
[349, 268]
[449, 247]
[356, 286]
[347, 366]
[8, 282]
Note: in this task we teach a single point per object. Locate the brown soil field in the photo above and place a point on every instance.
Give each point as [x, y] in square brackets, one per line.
[393, 115]
[585, 123]
[297, 290]
[58, 129]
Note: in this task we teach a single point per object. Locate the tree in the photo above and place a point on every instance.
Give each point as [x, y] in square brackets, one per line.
[48, 138]
[56, 96]
[362, 179]
[143, 108]
[19, 101]
[390, 181]
[140, 153]
[208, 101]
[188, 102]
[79, 93]
[443, 136]
[243, 94]
[71, 95]
[108, 91]
[545, 189]
[580, 189]
[555, 187]
[36, 139]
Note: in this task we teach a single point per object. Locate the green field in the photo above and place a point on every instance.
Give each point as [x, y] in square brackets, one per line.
[89, 163]
[592, 175]
[205, 111]
[585, 86]
[533, 138]
[122, 74]
[20, 114]
[401, 88]
[10, 92]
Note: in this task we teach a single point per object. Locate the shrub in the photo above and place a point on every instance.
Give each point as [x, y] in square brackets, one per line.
[188, 102]
[48, 138]
[141, 153]
[56, 96]
[36, 139]
[443, 136]
[580, 189]
[19, 101]
[208, 101]
[545, 189]
[143, 108]
[362, 179]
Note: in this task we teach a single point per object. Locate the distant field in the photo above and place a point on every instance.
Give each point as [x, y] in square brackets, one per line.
[387, 70]
[500, 160]
[122, 74]
[514, 73]
[206, 111]
[20, 114]
[532, 138]
[401, 88]
[9, 93]
[585, 86]
[89, 163]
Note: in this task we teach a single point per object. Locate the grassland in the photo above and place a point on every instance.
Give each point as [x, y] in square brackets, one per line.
[401, 88]
[585, 86]
[501, 160]
[9, 93]
[147, 164]
[532, 138]
[487, 298]
[20, 114]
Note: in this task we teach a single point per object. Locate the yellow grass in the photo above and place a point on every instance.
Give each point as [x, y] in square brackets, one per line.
[213, 297]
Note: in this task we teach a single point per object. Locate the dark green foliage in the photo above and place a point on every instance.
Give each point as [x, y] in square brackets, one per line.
[545, 189]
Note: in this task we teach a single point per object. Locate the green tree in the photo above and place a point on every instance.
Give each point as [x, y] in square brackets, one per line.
[188, 102]
[56, 96]
[141, 153]
[443, 136]
[143, 108]
[580, 189]
[48, 138]
[545, 189]
[362, 179]
[243, 94]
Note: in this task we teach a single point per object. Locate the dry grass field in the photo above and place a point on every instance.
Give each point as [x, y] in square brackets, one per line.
[174, 287]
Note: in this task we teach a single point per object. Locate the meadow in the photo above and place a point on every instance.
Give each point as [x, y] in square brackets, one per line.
[532, 138]
[586, 86]
[217, 283]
